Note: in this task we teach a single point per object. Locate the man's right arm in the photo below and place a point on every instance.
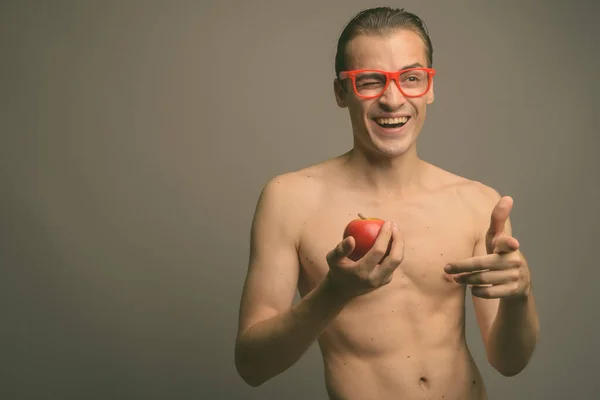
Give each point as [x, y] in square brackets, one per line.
[273, 334]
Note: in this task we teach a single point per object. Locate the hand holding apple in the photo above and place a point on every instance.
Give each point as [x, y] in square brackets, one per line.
[366, 258]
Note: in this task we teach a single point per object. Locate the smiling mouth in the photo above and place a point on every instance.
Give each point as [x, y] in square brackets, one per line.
[392, 122]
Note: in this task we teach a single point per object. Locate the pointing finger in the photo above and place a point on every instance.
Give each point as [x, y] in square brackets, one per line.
[486, 278]
[499, 215]
[487, 262]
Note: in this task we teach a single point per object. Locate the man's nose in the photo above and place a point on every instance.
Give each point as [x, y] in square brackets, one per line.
[392, 97]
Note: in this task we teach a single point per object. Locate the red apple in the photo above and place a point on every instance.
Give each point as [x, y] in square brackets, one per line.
[364, 231]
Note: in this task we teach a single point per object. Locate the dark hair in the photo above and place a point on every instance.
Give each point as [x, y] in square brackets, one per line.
[380, 20]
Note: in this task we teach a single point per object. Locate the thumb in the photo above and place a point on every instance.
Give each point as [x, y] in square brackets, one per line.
[499, 216]
[343, 249]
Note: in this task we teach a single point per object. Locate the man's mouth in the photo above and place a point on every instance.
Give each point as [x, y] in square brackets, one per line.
[392, 122]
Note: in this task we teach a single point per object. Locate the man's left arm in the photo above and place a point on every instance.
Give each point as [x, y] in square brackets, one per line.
[500, 281]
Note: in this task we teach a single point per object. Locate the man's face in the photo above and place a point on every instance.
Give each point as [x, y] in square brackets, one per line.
[396, 51]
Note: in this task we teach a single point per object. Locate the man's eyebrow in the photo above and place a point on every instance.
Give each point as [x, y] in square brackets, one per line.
[415, 65]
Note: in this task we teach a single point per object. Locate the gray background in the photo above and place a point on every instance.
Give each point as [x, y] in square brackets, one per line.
[135, 139]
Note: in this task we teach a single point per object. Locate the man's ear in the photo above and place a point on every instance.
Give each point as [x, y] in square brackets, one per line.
[340, 93]
[430, 94]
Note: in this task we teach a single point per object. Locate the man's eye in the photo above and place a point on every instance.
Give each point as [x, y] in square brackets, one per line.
[372, 83]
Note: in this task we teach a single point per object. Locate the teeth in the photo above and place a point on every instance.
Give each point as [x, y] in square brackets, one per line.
[391, 121]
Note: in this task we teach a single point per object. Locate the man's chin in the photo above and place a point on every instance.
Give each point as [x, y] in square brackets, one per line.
[386, 148]
[393, 151]
[391, 144]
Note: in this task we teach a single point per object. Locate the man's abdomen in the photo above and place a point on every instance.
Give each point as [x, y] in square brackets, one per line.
[448, 374]
[400, 345]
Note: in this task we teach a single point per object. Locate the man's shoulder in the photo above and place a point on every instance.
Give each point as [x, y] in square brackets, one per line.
[296, 189]
[292, 183]
[478, 196]
[302, 182]
[478, 192]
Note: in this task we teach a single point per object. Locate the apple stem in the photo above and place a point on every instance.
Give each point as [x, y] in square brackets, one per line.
[361, 216]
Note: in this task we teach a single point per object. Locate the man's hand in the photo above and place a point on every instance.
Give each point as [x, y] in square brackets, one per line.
[350, 279]
[502, 273]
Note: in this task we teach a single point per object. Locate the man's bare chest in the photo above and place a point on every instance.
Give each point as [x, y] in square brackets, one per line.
[434, 231]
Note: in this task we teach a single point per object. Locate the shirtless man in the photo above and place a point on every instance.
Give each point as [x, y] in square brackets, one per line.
[391, 328]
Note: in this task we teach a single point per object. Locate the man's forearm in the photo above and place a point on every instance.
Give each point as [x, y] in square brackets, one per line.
[513, 335]
[270, 347]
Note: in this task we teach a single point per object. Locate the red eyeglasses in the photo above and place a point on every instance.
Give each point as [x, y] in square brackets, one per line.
[370, 83]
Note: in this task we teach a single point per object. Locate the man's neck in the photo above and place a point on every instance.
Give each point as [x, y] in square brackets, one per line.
[386, 176]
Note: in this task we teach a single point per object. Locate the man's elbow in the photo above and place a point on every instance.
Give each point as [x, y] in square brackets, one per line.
[247, 371]
[251, 379]
[510, 372]
[510, 362]
[508, 368]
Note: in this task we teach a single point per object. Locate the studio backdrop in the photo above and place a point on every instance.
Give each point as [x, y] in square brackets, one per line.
[136, 137]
